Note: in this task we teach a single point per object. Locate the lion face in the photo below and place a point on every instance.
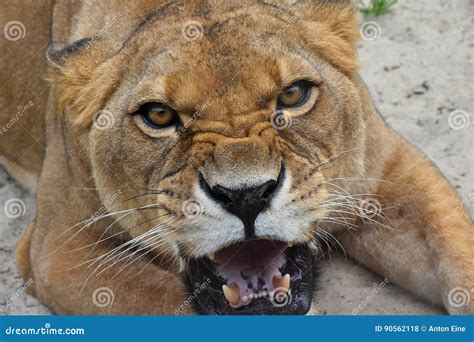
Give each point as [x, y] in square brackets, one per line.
[222, 144]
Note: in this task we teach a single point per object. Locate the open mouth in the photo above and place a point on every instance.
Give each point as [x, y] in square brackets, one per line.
[254, 277]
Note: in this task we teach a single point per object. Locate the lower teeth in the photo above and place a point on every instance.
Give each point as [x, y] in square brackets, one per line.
[231, 292]
[252, 296]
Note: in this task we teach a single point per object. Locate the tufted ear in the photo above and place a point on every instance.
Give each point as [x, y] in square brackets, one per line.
[330, 28]
[82, 78]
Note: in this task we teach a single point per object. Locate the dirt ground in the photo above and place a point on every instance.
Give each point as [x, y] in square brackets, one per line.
[418, 65]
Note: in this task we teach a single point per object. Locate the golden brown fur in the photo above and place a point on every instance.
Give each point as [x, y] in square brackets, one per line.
[230, 76]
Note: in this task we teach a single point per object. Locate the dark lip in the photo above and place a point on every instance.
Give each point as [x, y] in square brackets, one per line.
[205, 287]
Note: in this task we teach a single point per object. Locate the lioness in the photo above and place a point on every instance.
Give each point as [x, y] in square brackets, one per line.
[195, 152]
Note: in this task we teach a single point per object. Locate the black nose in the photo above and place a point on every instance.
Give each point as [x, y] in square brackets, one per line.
[246, 203]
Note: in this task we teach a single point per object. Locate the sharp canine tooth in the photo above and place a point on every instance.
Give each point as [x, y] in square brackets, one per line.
[231, 293]
[286, 281]
[283, 282]
[211, 256]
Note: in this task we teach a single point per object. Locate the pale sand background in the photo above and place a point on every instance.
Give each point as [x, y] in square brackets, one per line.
[422, 42]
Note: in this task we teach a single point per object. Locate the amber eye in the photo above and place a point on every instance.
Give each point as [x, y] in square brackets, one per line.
[296, 94]
[158, 116]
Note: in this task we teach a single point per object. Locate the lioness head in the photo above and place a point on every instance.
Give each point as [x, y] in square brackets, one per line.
[217, 123]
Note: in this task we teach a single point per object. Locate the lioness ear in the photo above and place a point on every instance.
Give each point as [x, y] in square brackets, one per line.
[330, 28]
[78, 74]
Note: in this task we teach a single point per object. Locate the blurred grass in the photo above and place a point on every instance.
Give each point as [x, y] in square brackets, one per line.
[375, 7]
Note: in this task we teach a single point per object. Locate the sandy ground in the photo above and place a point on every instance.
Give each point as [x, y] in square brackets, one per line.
[418, 65]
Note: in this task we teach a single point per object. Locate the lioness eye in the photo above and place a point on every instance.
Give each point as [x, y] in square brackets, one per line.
[296, 94]
[158, 116]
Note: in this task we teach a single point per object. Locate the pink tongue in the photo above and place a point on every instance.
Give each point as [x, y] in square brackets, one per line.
[251, 265]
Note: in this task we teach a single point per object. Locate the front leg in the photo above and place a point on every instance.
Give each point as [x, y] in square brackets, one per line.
[65, 283]
[429, 247]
